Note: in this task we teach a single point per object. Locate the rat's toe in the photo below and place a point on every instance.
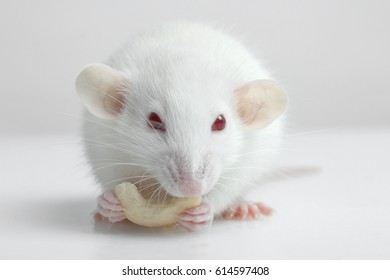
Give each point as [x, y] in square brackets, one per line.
[196, 218]
[245, 210]
[109, 208]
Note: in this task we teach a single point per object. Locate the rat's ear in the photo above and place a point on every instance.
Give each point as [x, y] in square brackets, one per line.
[260, 102]
[101, 89]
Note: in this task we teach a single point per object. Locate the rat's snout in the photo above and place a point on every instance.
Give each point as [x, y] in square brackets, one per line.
[189, 176]
[188, 185]
[185, 181]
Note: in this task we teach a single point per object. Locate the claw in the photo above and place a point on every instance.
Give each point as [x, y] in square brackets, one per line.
[197, 218]
[109, 208]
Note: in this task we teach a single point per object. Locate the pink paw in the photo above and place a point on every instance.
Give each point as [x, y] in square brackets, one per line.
[245, 210]
[196, 218]
[109, 208]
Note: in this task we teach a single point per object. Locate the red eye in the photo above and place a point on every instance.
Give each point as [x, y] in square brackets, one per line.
[155, 122]
[219, 123]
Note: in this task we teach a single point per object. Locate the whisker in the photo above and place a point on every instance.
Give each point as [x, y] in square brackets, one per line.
[154, 194]
[110, 165]
[126, 178]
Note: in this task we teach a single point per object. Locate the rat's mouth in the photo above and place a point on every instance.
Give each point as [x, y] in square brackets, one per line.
[151, 188]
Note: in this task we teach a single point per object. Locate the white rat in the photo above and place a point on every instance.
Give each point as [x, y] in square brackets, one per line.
[188, 108]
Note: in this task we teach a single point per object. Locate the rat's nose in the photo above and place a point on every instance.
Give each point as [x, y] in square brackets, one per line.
[189, 186]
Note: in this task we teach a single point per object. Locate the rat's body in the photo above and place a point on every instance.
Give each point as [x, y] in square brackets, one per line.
[188, 75]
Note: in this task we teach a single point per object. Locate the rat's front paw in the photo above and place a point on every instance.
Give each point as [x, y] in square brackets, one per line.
[109, 208]
[196, 218]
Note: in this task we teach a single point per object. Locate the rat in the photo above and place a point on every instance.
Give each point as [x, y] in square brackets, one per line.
[187, 109]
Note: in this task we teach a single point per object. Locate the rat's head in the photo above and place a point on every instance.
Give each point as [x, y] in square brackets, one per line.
[181, 138]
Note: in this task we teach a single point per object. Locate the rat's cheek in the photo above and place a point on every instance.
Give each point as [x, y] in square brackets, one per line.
[212, 177]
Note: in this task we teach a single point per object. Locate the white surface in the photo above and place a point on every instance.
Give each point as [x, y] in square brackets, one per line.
[332, 56]
[340, 212]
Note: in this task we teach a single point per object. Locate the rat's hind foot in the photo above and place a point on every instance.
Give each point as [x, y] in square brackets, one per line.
[196, 218]
[245, 210]
[109, 208]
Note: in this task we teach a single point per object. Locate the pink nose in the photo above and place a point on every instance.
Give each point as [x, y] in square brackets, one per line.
[190, 188]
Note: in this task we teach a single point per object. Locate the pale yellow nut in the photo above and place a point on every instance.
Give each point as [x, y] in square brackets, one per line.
[144, 212]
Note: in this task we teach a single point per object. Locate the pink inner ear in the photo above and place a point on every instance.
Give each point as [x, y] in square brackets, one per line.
[248, 106]
[114, 102]
[260, 102]
[248, 111]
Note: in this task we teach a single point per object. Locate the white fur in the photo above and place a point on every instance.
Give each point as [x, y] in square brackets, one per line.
[187, 74]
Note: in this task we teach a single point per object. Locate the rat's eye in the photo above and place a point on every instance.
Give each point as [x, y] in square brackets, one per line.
[155, 122]
[219, 123]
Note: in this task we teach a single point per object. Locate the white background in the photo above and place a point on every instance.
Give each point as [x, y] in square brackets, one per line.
[332, 56]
